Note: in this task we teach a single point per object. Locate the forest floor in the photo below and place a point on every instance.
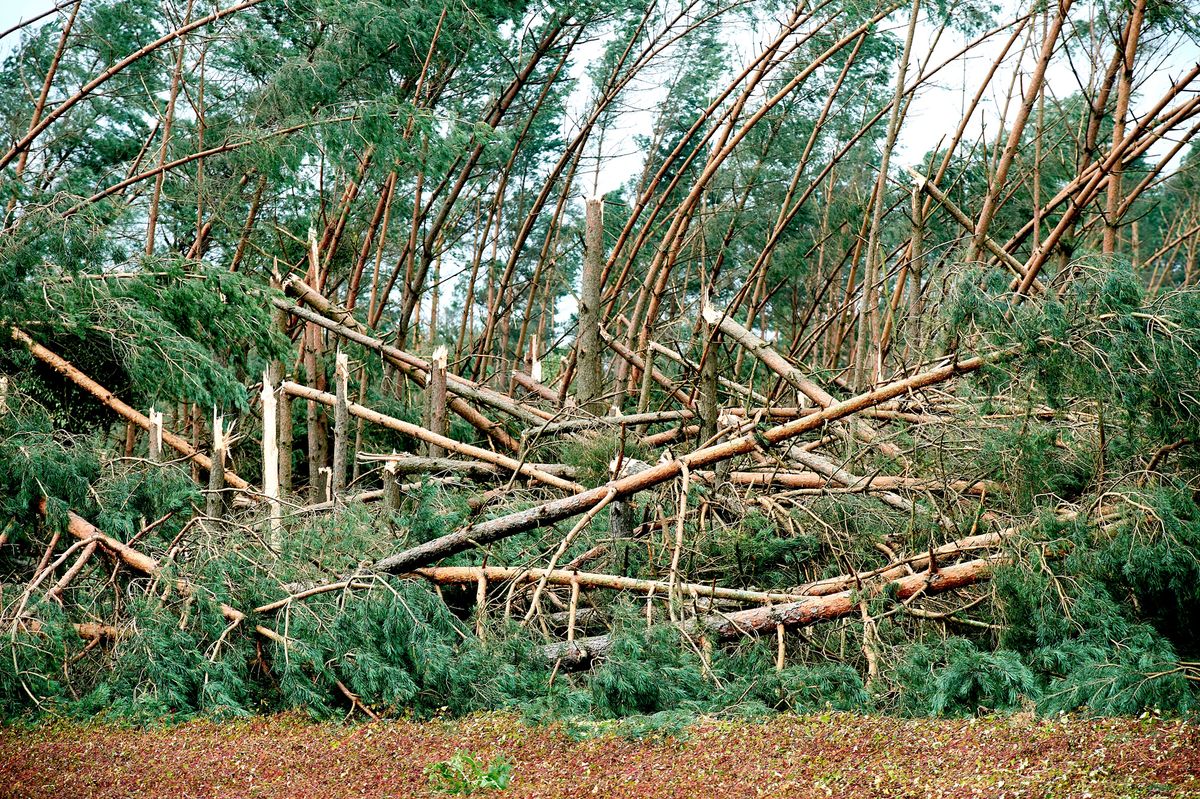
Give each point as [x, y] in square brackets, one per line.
[826, 755]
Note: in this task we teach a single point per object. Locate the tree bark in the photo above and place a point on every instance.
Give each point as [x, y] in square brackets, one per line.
[589, 375]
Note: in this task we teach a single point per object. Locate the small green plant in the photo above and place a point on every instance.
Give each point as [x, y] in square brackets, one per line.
[465, 774]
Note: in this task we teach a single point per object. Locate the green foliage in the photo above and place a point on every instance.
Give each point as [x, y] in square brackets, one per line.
[954, 677]
[464, 774]
[593, 456]
[761, 552]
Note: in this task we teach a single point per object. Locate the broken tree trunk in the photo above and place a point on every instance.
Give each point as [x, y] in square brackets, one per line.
[437, 400]
[109, 400]
[557, 510]
[214, 506]
[589, 374]
[416, 431]
[270, 461]
[156, 435]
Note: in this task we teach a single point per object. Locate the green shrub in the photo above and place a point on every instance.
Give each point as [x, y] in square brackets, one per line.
[465, 774]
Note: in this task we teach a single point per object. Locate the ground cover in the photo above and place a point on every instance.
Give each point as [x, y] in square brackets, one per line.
[823, 755]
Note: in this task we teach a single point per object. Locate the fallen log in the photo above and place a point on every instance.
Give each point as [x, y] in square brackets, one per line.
[766, 620]
[557, 510]
[816, 480]
[84, 530]
[896, 569]
[110, 400]
[575, 425]
[413, 464]
[469, 575]
[408, 428]
[534, 387]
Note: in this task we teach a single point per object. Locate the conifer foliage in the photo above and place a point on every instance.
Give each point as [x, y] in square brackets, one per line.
[297, 298]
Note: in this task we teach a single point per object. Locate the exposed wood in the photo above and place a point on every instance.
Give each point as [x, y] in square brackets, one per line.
[763, 621]
[449, 444]
[270, 462]
[156, 435]
[467, 575]
[437, 400]
[215, 500]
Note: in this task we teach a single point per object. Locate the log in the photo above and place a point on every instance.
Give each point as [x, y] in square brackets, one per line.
[413, 464]
[765, 620]
[557, 510]
[575, 425]
[470, 575]
[84, 530]
[767, 355]
[156, 435]
[817, 480]
[428, 436]
[534, 387]
[110, 401]
[845, 582]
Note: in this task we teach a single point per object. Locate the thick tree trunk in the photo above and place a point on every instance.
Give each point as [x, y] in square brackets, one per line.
[589, 375]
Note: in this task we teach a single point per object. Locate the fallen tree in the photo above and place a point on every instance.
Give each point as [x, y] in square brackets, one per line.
[557, 510]
[408, 428]
[111, 401]
[767, 620]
